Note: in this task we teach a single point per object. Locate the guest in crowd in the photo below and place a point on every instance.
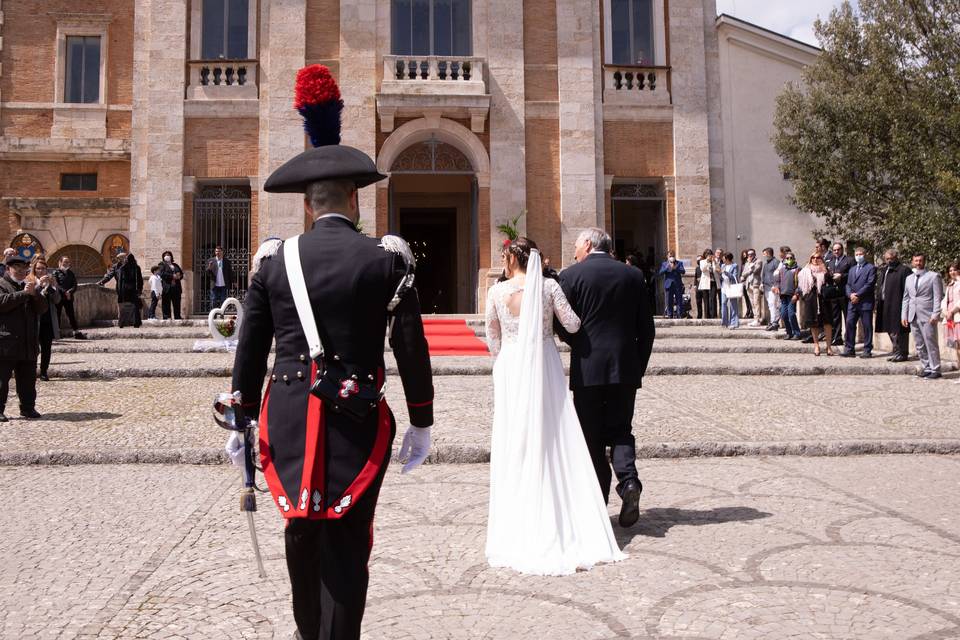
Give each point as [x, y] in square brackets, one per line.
[767, 278]
[3, 263]
[730, 274]
[156, 291]
[890, 290]
[752, 278]
[67, 284]
[718, 254]
[672, 272]
[952, 308]
[49, 330]
[171, 274]
[817, 309]
[838, 264]
[129, 284]
[748, 304]
[785, 286]
[21, 303]
[220, 272]
[922, 296]
[706, 284]
[859, 293]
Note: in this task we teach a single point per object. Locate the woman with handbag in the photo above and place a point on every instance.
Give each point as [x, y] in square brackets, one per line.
[951, 304]
[813, 287]
[730, 292]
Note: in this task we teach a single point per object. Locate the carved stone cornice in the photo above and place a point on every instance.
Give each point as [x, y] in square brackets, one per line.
[60, 205]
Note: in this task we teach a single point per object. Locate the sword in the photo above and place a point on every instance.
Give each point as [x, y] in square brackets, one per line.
[231, 408]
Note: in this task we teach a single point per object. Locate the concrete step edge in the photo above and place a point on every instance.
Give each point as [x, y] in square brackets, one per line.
[459, 454]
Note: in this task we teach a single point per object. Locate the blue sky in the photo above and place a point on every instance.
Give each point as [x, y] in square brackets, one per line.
[793, 18]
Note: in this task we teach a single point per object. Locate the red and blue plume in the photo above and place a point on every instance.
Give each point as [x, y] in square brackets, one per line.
[317, 98]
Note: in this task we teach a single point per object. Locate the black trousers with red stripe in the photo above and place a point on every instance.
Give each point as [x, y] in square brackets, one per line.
[327, 562]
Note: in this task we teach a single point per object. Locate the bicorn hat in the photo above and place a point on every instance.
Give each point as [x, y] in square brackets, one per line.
[317, 98]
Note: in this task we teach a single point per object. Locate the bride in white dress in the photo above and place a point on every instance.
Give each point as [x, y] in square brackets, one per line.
[547, 516]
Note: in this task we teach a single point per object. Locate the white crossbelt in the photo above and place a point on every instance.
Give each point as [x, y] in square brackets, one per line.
[298, 286]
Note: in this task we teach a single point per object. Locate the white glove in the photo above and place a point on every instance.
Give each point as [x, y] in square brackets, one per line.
[234, 448]
[415, 448]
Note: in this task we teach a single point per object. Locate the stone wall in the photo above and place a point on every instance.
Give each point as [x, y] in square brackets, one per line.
[93, 302]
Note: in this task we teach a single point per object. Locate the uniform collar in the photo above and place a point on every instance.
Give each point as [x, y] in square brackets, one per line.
[335, 218]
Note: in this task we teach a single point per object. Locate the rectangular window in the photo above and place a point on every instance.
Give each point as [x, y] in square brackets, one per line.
[78, 182]
[82, 69]
[431, 27]
[225, 26]
[631, 24]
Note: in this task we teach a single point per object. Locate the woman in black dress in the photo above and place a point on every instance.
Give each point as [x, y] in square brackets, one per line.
[817, 312]
[129, 284]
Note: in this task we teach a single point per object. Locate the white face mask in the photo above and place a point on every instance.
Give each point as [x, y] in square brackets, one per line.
[168, 258]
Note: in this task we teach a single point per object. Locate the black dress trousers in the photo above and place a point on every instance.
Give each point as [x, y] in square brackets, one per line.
[327, 562]
[606, 415]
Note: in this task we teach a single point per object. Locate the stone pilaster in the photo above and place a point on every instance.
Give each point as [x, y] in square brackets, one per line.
[691, 133]
[724, 231]
[282, 53]
[359, 62]
[581, 122]
[156, 198]
[508, 181]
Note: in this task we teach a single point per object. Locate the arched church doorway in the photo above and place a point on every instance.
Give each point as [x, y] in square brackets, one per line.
[433, 205]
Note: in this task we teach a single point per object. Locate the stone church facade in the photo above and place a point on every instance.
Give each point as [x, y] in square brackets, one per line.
[152, 125]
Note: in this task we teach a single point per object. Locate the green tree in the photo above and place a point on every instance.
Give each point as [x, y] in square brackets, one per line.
[871, 140]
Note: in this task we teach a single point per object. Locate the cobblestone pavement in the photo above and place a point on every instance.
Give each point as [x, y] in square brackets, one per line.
[850, 548]
[131, 415]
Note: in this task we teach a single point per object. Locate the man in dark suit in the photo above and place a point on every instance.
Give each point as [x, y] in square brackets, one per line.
[21, 304]
[609, 356]
[220, 272]
[67, 283]
[890, 287]
[860, 295]
[838, 265]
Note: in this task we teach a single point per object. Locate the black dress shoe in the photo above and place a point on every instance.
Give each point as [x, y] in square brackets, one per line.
[898, 358]
[923, 374]
[630, 510]
[45, 377]
[808, 340]
[30, 414]
[79, 336]
[3, 417]
[866, 355]
[933, 375]
[848, 354]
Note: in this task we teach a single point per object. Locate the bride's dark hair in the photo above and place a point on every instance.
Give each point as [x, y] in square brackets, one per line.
[521, 248]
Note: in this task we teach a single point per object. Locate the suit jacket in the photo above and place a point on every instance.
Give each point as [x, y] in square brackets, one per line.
[672, 278]
[306, 446]
[617, 331]
[19, 321]
[227, 272]
[861, 280]
[921, 296]
[66, 280]
[839, 265]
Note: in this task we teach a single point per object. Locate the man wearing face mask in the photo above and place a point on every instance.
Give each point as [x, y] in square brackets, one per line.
[888, 317]
[170, 274]
[861, 280]
[921, 312]
[21, 305]
[786, 288]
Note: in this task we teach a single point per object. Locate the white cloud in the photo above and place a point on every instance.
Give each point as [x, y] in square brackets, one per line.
[789, 17]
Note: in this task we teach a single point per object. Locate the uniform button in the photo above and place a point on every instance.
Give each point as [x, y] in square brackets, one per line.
[273, 378]
[370, 377]
[353, 377]
[300, 375]
[336, 357]
[303, 358]
[286, 378]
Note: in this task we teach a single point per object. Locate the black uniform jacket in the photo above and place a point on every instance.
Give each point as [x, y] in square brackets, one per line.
[19, 321]
[616, 332]
[316, 461]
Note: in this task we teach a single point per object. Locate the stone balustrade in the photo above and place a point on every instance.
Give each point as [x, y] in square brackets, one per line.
[637, 84]
[450, 86]
[222, 80]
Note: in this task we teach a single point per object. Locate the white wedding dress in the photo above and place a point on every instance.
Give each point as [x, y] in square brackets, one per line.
[547, 515]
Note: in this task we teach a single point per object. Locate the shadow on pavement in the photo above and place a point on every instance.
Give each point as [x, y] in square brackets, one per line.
[655, 523]
[81, 417]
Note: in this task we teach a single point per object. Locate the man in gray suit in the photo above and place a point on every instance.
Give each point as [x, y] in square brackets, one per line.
[921, 312]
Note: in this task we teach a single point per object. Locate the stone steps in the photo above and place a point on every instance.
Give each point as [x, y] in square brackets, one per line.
[186, 365]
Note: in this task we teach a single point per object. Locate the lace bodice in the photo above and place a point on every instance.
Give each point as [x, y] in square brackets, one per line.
[503, 326]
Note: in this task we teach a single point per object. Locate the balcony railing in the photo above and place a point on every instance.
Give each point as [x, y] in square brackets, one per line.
[451, 86]
[222, 79]
[637, 84]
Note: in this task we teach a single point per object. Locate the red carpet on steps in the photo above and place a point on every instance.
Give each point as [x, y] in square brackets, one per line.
[452, 337]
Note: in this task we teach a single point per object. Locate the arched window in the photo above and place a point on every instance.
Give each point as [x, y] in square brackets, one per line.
[431, 27]
[86, 262]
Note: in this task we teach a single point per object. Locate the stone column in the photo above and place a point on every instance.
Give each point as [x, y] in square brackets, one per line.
[508, 174]
[581, 121]
[282, 53]
[691, 135]
[358, 86]
[156, 198]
